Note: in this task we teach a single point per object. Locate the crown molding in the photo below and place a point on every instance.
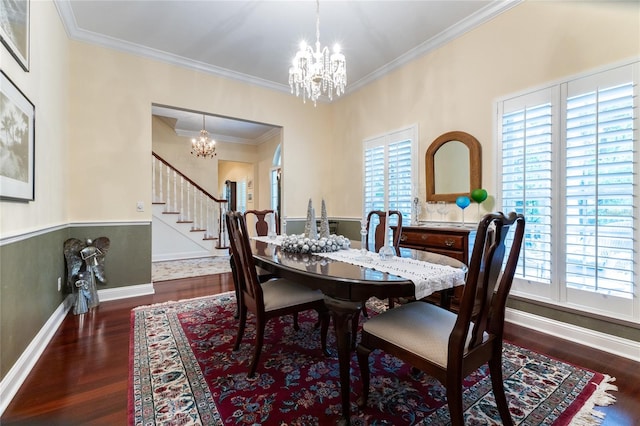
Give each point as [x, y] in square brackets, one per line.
[482, 16]
[75, 33]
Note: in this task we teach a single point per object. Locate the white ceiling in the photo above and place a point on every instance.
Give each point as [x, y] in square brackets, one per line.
[254, 41]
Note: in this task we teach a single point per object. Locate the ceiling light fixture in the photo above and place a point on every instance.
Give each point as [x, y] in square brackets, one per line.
[316, 73]
[203, 146]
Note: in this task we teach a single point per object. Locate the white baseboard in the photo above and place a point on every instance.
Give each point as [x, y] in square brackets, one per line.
[601, 341]
[21, 369]
[125, 292]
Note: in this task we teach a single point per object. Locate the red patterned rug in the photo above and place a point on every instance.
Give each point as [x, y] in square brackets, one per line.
[183, 371]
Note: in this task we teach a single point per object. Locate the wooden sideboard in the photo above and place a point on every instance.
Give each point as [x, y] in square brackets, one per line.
[452, 241]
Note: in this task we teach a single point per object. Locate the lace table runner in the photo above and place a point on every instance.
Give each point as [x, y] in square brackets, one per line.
[427, 277]
[270, 240]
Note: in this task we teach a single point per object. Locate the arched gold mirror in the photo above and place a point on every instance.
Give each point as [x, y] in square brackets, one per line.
[453, 166]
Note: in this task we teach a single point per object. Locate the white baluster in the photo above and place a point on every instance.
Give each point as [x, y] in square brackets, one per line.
[182, 198]
[188, 205]
[201, 224]
[208, 231]
[160, 183]
[195, 209]
[167, 206]
[153, 179]
[175, 191]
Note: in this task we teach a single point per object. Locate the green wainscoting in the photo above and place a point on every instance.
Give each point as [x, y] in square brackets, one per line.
[590, 322]
[29, 271]
[129, 259]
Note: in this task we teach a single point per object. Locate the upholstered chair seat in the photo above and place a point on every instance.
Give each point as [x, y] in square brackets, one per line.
[279, 293]
[410, 327]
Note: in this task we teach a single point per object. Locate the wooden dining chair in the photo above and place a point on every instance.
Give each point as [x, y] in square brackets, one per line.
[378, 230]
[274, 298]
[448, 346]
[260, 218]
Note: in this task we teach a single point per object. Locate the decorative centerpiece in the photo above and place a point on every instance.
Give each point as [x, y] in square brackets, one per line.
[310, 242]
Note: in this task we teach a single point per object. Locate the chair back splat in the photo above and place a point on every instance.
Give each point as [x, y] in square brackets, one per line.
[448, 346]
[381, 228]
[484, 298]
[260, 216]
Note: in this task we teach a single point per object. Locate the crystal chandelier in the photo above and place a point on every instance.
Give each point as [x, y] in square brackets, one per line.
[203, 146]
[316, 73]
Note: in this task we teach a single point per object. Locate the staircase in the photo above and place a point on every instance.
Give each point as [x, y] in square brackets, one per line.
[187, 220]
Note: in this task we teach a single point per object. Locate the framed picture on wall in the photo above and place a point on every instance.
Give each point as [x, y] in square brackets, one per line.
[17, 143]
[14, 29]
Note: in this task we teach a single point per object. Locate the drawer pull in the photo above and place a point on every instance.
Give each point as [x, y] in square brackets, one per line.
[449, 242]
[403, 237]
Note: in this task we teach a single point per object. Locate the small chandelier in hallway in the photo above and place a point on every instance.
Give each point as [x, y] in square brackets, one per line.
[203, 146]
[313, 74]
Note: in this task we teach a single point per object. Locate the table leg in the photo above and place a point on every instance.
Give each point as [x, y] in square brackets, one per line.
[344, 312]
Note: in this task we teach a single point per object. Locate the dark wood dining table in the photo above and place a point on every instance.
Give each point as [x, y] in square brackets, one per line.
[346, 287]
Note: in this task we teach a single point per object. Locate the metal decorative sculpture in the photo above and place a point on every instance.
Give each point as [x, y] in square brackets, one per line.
[85, 265]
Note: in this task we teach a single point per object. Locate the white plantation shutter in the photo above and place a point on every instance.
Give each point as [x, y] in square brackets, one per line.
[568, 157]
[527, 178]
[599, 184]
[390, 172]
[374, 178]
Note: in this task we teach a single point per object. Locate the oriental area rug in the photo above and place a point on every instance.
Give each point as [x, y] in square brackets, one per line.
[183, 371]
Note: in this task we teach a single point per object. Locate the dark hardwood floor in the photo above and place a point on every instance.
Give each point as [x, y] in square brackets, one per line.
[82, 376]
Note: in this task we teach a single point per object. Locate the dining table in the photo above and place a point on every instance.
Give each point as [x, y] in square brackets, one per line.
[348, 278]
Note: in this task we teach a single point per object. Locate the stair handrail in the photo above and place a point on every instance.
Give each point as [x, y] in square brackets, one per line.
[217, 200]
[220, 201]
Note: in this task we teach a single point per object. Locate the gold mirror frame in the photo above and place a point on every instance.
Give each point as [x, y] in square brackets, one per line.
[475, 165]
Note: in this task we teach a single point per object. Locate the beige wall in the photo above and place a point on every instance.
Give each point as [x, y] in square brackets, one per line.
[112, 125]
[262, 189]
[93, 158]
[176, 151]
[456, 86]
[48, 91]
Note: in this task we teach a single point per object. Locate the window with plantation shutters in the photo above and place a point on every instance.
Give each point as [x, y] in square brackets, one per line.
[599, 185]
[568, 156]
[390, 172]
